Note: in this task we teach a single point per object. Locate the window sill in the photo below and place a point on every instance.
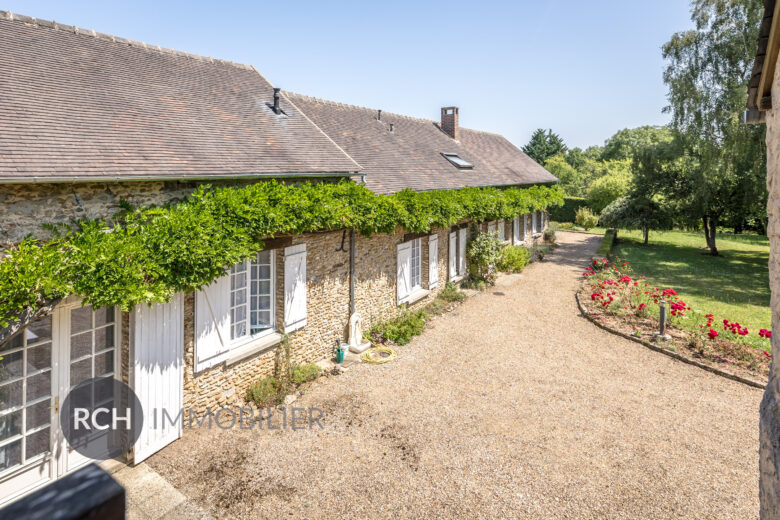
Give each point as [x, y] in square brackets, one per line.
[253, 347]
[457, 279]
[416, 296]
[537, 235]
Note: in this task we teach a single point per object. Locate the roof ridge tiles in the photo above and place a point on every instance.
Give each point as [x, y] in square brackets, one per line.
[384, 112]
[51, 24]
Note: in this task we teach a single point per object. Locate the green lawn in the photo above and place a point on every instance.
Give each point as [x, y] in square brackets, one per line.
[733, 286]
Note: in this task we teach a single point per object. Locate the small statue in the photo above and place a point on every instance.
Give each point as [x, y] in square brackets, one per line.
[357, 343]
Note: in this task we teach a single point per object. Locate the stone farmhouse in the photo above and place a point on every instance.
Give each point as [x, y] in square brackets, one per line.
[763, 103]
[89, 120]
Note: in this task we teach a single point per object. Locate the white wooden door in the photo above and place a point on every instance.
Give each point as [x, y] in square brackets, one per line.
[28, 421]
[157, 338]
[40, 366]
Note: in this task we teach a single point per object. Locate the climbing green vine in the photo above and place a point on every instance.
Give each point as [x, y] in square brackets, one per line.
[148, 254]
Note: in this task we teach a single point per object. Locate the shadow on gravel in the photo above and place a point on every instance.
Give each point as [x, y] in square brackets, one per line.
[577, 253]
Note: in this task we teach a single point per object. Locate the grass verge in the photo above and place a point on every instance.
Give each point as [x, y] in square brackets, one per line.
[734, 285]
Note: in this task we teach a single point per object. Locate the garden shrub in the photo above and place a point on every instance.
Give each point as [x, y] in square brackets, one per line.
[549, 233]
[586, 218]
[483, 253]
[266, 392]
[514, 259]
[540, 252]
[451, 293]
[305, 373]
[400, 330]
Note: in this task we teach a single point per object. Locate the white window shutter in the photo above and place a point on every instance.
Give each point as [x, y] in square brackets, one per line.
[212, 322]
[294, 287]
[525, 227]
[533, 222]
[403, 275]
[516, 230]
[462, 251]
[433, 261]
[541, 221]
[453, 255]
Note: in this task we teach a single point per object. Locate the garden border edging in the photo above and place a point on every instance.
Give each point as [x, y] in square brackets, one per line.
[664, 351]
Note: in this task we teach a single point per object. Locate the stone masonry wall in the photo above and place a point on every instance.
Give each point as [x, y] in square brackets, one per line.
[24, 207]
[327, 318]
[769, 452]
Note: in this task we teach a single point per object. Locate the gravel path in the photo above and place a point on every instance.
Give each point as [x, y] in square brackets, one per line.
[511, 406]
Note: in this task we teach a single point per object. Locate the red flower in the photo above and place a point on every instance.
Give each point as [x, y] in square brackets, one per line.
[712, 334]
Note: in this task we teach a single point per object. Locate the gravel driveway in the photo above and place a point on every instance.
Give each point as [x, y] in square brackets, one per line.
[511, 406]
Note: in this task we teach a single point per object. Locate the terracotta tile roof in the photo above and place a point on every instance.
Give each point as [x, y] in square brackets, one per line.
[410, 155]
[80, 104]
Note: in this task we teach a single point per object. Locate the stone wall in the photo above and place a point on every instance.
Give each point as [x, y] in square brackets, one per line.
[769, 453]
[24, 207]
[327, 318]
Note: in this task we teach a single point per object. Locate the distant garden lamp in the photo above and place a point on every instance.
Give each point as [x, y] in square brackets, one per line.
[661, 334]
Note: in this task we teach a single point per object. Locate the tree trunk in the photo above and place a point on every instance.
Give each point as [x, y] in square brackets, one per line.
[646, 233]
[709, 234]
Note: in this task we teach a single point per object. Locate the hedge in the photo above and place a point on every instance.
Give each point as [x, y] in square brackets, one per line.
[566, 213]
[607, 243]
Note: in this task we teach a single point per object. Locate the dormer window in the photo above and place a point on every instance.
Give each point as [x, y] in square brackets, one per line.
[457, 161]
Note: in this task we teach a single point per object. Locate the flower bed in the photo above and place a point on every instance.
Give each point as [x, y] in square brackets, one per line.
[618, 299]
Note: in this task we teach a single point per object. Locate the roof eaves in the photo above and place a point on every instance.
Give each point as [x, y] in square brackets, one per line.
[76, 179]
[760, 83]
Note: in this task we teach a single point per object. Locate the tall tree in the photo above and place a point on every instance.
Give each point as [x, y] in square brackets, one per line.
[543, 145]
[707, 73]
[625, 143]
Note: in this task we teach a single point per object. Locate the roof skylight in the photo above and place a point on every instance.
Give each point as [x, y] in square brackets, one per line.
[457, 161]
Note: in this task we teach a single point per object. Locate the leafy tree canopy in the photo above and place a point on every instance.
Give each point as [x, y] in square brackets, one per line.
[636, 213]
[615, 181]
[625, 143]
[543, 145]
[721, 163]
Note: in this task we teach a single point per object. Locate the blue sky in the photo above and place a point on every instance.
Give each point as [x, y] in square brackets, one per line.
[583, 68]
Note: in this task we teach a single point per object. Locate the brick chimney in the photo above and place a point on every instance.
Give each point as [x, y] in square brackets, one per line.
[449, 122]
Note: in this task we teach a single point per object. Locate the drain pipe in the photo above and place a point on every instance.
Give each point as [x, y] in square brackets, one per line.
[351, 272]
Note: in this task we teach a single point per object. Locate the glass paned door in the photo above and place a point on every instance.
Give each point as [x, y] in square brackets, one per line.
[25, 395]
[28, 422]
[91, 353]
[39, 367]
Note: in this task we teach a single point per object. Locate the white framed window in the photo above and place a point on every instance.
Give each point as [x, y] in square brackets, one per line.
[235, 315]
[252, 297]
[491, 227]
[501, 230]
[457, 253]
[416, 260]
[409, 270]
